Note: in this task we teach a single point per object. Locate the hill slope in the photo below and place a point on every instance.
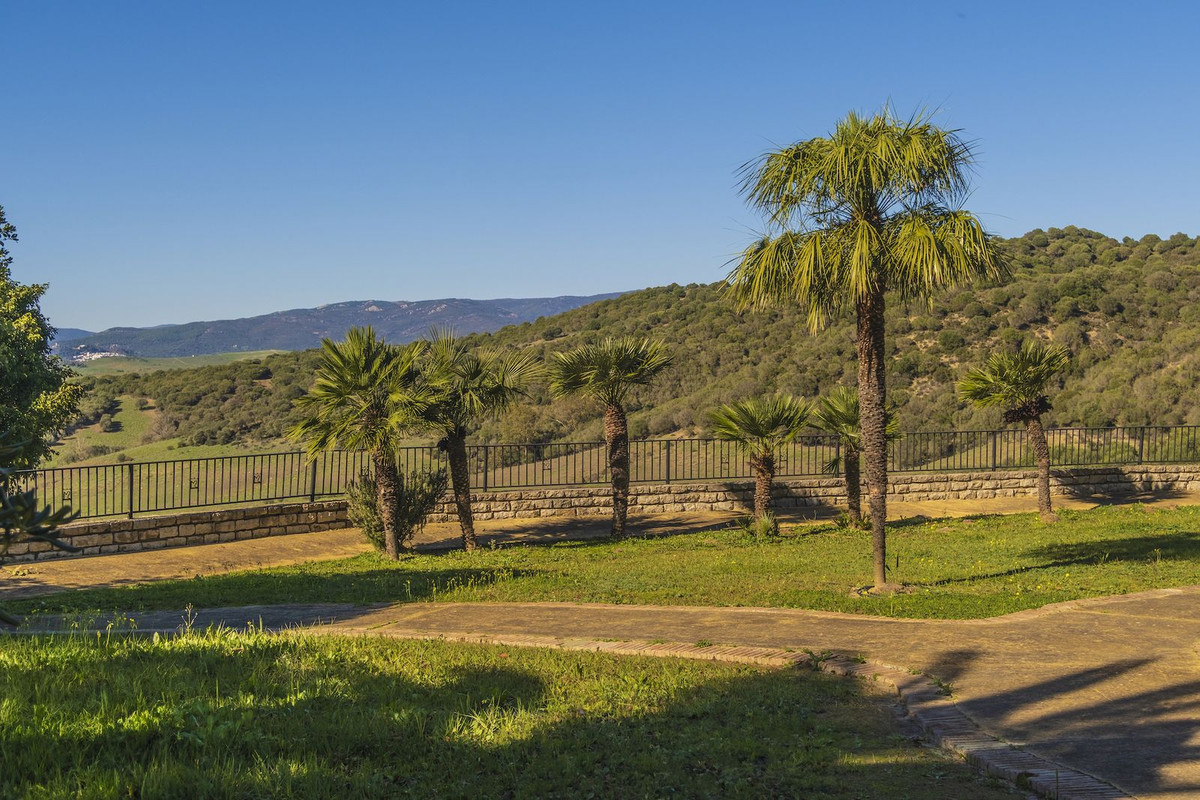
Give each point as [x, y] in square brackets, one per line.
[1129, 310]
[302, 328]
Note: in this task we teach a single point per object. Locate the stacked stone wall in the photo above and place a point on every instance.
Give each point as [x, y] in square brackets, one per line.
[207, 527]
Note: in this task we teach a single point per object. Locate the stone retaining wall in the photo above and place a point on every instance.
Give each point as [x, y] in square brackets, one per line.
[97, 537]
[206, 527]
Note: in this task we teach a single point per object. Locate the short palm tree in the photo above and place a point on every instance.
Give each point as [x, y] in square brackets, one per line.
[838, 413]
[760, 426]
[1016, 382]
[367, 392]
[607, 372]
[468, 384]
[870, 209]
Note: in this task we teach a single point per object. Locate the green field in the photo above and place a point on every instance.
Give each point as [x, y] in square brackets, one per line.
[954, 569]
[132, 440]
[122, 365]
[221, 714]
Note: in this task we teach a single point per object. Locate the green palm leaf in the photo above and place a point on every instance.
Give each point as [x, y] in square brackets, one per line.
[761, 425]
[1016, 381]
[608, 370]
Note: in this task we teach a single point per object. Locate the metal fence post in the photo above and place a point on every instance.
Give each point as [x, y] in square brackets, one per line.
[129, 476]
[484, 487]
[1141, 443]
[992, 436]
[668, 469]
[312, 481]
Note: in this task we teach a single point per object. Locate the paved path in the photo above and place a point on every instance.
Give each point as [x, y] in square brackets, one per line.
[1108, 686]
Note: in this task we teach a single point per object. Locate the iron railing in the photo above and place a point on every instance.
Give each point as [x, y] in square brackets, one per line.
[145, 487]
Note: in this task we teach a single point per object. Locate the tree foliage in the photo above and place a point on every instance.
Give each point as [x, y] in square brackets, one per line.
[36, 399]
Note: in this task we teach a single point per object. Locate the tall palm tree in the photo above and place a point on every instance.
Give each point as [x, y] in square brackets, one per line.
[1016, 382]
[838, 413]
[760, 426]
[468, 384]
[366, 393]
[606, 372]
[870, 209]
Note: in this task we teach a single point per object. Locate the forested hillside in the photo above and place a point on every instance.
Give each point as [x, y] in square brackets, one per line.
[1129, 310]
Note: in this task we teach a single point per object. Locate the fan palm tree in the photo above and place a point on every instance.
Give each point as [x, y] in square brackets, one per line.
[760, 426]
[838, 413]
[870, 209]
[606, 372]
[1016, 382]
[468, 384]
[366, 393]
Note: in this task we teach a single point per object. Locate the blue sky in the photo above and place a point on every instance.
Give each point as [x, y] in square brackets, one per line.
[166, 162]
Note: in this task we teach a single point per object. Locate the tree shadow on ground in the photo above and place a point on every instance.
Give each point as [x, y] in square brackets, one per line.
[342, 728]
[360, 586]
[1148, 549]
[1145, 742]
[1173, 546]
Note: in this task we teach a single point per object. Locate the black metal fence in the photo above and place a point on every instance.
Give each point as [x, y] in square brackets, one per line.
[145, 487]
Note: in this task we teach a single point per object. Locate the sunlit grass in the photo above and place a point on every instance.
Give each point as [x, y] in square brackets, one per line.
[954, 569]
[221, 714]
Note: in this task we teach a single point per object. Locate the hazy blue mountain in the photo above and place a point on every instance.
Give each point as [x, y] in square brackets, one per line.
[70, 334]
[302, 328]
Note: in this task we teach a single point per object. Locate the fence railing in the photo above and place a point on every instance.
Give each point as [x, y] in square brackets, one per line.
[145, 487]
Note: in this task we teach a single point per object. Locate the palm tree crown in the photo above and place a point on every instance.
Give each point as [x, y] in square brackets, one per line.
[608, 370]
[872, 207]
[468, 383]
[365, 391]
[838, 413]
[760, 425]
[1016, 381]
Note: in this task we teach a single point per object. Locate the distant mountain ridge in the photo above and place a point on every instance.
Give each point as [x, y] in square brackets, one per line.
[303, 328]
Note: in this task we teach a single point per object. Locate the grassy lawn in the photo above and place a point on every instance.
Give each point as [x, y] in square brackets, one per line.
[956, 569]
[223, 714]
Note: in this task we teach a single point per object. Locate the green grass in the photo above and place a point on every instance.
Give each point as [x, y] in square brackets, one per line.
[128, 442]
[956, 569]
[222, 714]
[121, 365]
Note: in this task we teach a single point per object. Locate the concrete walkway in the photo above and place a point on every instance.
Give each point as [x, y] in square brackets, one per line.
[1109, 686]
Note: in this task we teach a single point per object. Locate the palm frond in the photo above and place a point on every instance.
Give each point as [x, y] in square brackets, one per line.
[470, 383]
[872, 205]
[838, 413]
[761, 425]
[365, 393]
[607, 370]
[1015, 381]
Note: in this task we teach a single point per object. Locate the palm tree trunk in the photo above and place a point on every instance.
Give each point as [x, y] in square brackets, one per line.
[764, 474]
[616, 434]
[1041, 451]
[386, 488]
[460, 477]
[872, 395]
[853, 463]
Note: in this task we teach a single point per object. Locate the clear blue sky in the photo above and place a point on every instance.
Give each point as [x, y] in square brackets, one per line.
[167, 162]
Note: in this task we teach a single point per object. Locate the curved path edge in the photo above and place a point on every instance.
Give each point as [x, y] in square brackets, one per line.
[925, 702]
